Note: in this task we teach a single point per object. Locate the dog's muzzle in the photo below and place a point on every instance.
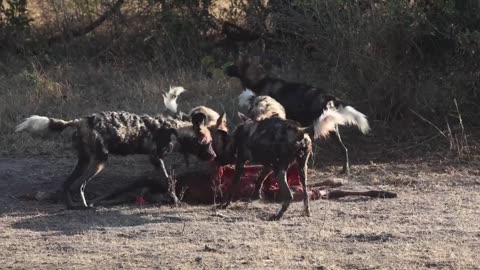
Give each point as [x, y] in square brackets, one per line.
[206, 152]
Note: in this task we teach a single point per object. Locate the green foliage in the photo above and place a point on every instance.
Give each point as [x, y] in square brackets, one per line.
[13, 14]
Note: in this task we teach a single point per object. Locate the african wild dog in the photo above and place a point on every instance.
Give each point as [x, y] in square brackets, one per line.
[121, 133]
[202, 119]
[260, 107]
[303, 103]
[274, 143]
[201, 114]
[171, 107]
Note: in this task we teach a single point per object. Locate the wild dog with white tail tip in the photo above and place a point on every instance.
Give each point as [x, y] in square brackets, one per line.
[303, 103]
[274, 143]
[121, 133]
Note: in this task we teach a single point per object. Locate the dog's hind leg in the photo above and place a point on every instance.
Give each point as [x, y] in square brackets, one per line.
[95, 167]
[285, 192]
[338, 140]
[257, 193]
[239, 168]
[80, 168]
[302, 164]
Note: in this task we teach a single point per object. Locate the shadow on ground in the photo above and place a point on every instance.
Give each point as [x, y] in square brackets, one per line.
[76, 222]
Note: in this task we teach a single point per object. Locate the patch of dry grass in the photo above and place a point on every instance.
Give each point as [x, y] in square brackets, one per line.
[434, 226]
[72, 90]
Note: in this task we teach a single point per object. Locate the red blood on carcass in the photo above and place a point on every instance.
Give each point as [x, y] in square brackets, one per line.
[249, 179]
[199, 187]
[139, 200]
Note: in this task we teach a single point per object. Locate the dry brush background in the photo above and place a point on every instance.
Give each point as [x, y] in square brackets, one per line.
[403, 63]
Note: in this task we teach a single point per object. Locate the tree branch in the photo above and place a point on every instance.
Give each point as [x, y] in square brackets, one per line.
[81, 31]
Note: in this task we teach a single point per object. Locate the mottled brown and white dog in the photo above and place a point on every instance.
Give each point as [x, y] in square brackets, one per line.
[203, 118]
[302, 102]
[274, 143]
[122, 133]
[260, 107]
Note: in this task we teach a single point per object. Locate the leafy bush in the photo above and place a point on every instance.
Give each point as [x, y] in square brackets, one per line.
[13, 14]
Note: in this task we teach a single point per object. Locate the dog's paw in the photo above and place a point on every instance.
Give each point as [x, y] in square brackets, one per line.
[274, 218]
[81, 207]
[345, 171]
[223, 206]
[256, 197]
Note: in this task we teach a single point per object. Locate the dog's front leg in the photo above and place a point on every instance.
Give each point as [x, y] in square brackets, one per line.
[79, 170]
[160, 166]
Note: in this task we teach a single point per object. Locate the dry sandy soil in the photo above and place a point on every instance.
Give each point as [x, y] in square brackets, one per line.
[433, 224]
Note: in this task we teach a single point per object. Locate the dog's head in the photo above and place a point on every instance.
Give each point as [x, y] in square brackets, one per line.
[184, 138]
[210, 115]
[199, 141]
[250, 70]
[218, 133]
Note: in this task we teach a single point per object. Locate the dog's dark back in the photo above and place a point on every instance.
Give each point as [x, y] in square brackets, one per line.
[272, 141]
[124, 133]
[303, 103]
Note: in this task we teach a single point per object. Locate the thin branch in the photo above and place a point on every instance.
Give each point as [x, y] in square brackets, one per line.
[81, 31]
[461, 122]
[424, 119]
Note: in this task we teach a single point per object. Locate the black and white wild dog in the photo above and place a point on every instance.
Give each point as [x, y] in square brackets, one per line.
[274, 143]
[303, 103]
[122, 133]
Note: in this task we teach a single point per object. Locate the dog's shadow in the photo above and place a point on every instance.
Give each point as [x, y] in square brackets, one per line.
[67, 222]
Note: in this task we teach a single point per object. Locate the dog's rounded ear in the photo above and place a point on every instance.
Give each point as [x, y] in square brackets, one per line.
[243, 117]
[331, 102]
[232, 71]
[199, 119]
[222, 122]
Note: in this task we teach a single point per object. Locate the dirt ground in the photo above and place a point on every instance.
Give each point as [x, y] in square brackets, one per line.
[433, 224]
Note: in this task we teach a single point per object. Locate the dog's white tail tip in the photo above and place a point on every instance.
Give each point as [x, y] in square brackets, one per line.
[327, 123]
[176, 90]
[34, 123]
[170, 98]
[245, 98]
[355, 118]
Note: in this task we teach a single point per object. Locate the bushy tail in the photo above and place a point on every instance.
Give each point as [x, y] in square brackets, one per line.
[326, 123]
[170, 98]
[36, 124]
[354, 118]
[245, 98]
